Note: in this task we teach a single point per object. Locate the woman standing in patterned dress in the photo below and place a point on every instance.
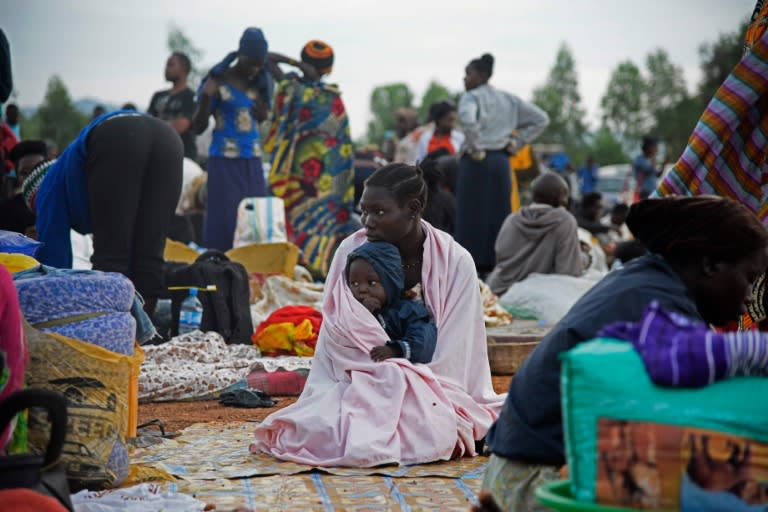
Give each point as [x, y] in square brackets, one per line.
[312, 156]
[237, 92]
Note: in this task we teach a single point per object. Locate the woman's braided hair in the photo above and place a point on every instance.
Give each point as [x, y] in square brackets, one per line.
[403, 181]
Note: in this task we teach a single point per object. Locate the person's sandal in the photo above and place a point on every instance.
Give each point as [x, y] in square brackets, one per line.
[143, 429]
[247, 398]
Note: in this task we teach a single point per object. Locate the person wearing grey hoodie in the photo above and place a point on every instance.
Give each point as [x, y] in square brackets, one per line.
[540, 238]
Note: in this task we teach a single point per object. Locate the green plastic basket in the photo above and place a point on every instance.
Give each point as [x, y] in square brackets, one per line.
[557, 496]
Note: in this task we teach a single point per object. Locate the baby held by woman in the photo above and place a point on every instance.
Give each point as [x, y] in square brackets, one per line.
[375, 276]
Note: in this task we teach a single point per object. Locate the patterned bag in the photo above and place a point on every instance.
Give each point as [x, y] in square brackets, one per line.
[260, 220]
[96, 383]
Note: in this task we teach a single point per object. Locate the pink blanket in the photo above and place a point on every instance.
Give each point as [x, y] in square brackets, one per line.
[354, 412]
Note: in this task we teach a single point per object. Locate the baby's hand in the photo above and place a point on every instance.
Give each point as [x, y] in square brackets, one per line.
[379, 354]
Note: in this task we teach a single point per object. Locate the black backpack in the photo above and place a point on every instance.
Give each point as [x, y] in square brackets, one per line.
[226, 310]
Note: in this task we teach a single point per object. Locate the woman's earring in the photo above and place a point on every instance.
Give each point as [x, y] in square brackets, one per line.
[413, 217]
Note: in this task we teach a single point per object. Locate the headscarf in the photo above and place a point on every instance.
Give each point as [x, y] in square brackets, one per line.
[319, 55]
[32, 184]
[681, 228]
[385, 260]
[253, 44]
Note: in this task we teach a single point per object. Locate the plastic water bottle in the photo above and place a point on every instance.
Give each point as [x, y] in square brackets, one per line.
[191, 315]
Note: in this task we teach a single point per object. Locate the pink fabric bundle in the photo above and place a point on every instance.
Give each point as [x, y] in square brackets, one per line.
[13, 347]
[354, 412]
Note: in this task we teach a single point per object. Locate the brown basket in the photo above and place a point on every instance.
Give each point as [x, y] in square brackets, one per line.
[509, 346]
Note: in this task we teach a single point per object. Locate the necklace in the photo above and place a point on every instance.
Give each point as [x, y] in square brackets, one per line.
[407, 266]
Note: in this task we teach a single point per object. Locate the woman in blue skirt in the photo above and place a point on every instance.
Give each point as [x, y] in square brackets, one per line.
[496, 125]
[237, 92]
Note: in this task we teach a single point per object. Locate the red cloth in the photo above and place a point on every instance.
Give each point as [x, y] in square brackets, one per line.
[7, 141]
[27, 500]
[13, 344]
[284, 332]
[279, 383]
[441, 142]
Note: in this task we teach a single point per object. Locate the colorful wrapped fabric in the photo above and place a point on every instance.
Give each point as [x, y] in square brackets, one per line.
[15, 358]
[757, 24]
[312, 156]
[726, 154]
[289, 331]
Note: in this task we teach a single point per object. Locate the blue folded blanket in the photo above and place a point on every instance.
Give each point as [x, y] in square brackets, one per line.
[85, 305]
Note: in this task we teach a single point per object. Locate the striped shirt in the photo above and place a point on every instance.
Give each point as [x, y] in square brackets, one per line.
[726, 153]
[680, 352]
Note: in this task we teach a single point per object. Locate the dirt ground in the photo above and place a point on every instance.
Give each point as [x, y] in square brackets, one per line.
[178, 415]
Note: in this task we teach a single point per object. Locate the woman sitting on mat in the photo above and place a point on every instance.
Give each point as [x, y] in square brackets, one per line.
[361, 413]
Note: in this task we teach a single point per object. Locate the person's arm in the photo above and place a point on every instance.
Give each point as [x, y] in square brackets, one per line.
[531, 122]
[182, 123]
[53, 229]
[421, 146]
[273, 59]
[469, 118]
[457, 139]
[203, 111]
[309, 71]
[152, 110]
[418, 343]
[260, 111]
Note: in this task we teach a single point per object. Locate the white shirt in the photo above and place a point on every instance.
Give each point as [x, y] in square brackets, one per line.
[457, 139]
[489, 118]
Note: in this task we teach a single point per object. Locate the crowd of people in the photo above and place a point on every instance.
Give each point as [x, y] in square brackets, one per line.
[401, 253]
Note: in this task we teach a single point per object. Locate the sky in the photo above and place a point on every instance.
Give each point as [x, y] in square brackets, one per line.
[116, 51]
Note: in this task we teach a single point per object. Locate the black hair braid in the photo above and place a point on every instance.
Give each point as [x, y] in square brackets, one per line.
[484, 64]
[433, 176]
[403, 181]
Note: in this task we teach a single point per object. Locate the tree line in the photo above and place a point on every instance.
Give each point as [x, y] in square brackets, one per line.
[58, 120]
[652, 99]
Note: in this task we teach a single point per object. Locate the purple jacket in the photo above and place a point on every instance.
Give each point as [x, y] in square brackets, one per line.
[680, 352]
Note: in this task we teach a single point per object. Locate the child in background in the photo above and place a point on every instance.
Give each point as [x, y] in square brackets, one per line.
[375, 276]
